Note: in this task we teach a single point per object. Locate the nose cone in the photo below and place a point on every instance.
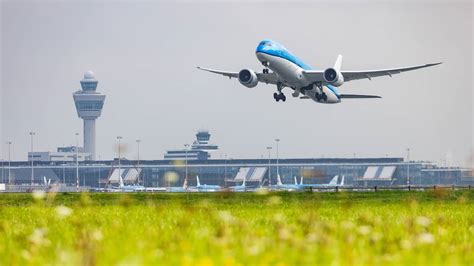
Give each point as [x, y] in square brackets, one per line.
[260, 48]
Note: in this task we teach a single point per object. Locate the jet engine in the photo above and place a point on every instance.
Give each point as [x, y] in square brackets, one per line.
[333, 77]
[248, 78]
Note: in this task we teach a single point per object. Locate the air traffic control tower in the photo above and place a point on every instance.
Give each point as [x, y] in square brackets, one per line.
[89, 105]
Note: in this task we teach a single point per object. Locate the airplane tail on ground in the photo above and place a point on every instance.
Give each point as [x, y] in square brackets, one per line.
[185, 184]
[121, 184]
[197, 180]
[279, 183]
[333, 181]
[46, 182]
[296, 181]
[301, 180]
[342, 181]
[243, 183]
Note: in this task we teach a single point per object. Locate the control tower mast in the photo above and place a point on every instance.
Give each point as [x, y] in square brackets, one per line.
[89, 105]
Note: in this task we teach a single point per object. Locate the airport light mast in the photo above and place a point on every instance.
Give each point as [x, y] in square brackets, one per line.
[9, 161]
[408, 166]
[119, 138]
[269, 172]
[138, 160]
[186, 146]
[278, 170]
[32, 159]
[89, 104]
[77, 164]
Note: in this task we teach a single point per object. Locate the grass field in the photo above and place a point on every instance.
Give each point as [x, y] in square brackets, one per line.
[433, 227]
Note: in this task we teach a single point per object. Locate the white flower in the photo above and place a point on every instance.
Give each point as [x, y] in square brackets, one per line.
[38, 237]
[226, 216]
[364, 230]
[426, 238]
[97, 235]
[63, 211]
[423, 221]
[39, 194]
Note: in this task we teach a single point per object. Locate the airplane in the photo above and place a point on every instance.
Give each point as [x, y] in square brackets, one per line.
[184, 188]
[127, 188]
[288, 71]
[46, 183]
[285, 187]
[332, 183]
[240, 188]
[206, 188]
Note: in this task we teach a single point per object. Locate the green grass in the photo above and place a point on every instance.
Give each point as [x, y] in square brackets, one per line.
[433, 227]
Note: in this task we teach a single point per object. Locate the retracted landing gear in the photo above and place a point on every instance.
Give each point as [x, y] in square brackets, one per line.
[279, 96]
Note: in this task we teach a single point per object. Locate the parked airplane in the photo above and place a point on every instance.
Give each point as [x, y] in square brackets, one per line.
[46, 183]
[332, 183]
[240, 188]
[287, 70]
[127, 188]
[286, 187]
[206, 188]
[184, 188]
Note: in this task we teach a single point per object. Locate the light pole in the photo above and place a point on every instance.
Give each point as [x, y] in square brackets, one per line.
[119, 138]
[138, 161]
[269, 171]
[278, 170]
[186, 162]
[77, 163]
[225, 170]
[32, 158]
[9, 161]
[408, 166]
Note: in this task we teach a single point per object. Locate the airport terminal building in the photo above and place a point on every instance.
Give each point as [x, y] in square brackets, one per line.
[228, 172]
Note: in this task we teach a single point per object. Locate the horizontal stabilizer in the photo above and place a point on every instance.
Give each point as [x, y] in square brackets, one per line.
[356, 96]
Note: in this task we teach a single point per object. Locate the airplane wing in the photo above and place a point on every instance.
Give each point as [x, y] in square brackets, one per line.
[270, 78]
[369, 74]
[317, 75]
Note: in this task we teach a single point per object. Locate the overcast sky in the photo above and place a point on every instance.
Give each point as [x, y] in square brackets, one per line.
[144, 56]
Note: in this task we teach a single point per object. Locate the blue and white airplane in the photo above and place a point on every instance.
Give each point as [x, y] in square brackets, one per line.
[239, 188]
[285, 187]
[287, 70]
[332, 183]
[206, 188]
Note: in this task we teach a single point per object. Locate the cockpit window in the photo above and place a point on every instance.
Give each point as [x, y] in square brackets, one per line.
[265, 43]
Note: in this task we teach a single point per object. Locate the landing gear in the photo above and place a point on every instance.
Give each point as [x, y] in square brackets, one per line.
[279, 96]
[320, 94]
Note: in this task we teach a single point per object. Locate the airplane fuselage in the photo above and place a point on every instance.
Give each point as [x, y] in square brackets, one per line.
[289, 70]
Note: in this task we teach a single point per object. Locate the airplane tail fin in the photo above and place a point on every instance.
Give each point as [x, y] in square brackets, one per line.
[44, 180]
[301, 180]
[337, 65]
[185, 184]
[49, 181]
[296, 181]
[120, 178]
[342, 181]
[333, 181]
[279, 183]
[197, 180]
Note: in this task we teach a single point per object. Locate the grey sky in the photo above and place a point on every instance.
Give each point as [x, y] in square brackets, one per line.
[144, 56]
